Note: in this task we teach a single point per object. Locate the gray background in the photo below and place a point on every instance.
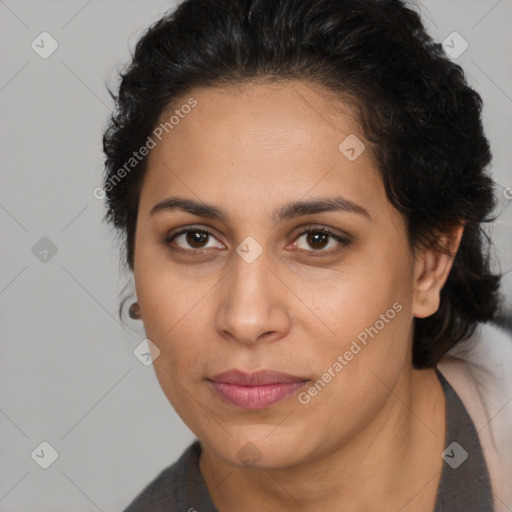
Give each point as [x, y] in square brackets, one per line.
[68, 375]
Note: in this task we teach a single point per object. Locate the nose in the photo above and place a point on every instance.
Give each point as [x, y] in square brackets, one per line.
[253, 308]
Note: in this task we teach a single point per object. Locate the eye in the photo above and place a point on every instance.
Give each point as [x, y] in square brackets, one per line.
[318, 238]
[194, 237]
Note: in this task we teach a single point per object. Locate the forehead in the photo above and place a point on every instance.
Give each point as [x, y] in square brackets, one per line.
[262, 140]
[283, 111]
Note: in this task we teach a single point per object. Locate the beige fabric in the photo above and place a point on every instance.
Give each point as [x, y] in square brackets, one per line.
[480, 371]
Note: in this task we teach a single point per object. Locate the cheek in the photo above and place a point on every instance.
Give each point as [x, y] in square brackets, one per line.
[183, 345]
[361, 330]
[361, 363]
[355, 298]
[166, 298]
[363, 315]
[173, 316]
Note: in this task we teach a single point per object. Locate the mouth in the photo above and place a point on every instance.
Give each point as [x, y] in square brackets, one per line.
[256, 390]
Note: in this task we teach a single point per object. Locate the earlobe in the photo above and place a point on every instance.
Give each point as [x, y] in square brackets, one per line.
[432, 267]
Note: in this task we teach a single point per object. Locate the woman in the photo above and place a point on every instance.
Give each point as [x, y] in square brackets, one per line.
[300, 187]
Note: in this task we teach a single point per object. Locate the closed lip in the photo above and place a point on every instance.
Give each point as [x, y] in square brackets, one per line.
[259, 378]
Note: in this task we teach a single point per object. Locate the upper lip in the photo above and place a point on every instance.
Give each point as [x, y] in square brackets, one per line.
[258, 378]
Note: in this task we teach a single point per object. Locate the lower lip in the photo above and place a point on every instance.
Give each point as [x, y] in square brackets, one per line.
[256, 397]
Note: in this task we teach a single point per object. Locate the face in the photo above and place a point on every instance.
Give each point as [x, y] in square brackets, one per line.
[320, 293]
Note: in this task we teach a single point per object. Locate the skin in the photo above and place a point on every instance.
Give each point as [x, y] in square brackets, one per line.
[372, 438]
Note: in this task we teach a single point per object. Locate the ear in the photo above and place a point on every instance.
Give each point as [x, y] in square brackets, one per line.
[431, 270]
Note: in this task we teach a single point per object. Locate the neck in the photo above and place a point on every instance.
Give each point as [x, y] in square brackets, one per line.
[393, 464]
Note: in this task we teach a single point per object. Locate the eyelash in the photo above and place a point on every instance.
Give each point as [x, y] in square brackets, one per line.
[320, 230]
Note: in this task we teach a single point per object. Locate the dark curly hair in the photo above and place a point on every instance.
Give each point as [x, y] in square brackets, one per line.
[421, 119]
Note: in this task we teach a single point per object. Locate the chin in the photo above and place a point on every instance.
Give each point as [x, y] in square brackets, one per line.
[261, 447]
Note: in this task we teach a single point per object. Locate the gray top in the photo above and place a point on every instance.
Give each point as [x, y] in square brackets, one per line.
[464, 484]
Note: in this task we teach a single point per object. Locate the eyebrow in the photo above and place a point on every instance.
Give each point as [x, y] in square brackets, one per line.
[285, 212]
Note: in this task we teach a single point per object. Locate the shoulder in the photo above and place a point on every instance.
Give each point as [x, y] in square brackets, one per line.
[480, 371]
[170, 488]
[484, 363]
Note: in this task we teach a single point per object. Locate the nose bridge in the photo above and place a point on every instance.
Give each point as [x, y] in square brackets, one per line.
[252, 303]
[250, 271]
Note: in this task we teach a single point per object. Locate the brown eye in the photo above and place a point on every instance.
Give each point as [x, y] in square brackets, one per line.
[190, 240]
[318, 240]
